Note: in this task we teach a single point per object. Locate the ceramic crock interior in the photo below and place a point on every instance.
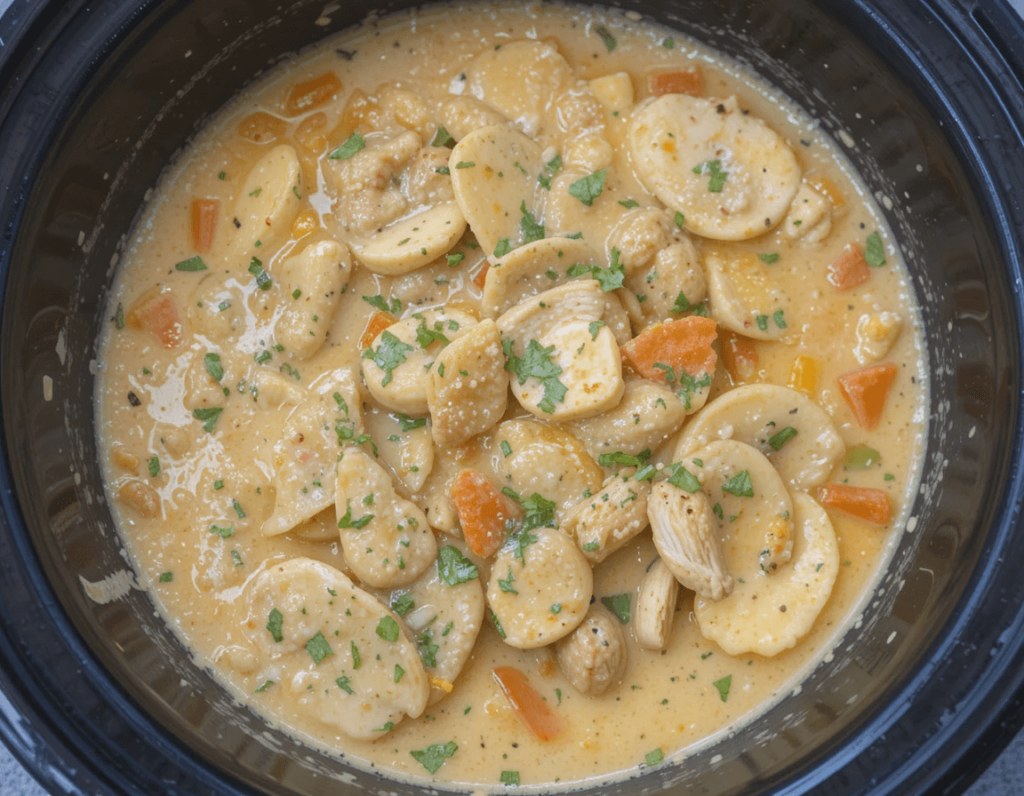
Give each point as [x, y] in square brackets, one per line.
[129, 86]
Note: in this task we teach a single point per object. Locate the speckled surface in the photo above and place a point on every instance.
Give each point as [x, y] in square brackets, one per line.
[1004, 778]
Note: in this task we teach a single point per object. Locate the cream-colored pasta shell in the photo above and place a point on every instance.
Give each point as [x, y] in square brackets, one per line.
[494, 174]
[325, 622]
[675, 137]
[768, 614]
[313, 282]
[446, 617]
[413, 241]
[269, 199]
[547, 588]
[754, 414]
[467, 390]
[406, 389]
[395, 546]
[745, 297]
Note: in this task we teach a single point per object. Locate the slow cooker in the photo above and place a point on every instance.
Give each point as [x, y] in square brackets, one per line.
[97, 96]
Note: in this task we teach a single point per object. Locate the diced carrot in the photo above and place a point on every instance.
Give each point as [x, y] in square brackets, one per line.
[484, 513]
[688, 81]
[481, 276]
[870, 505]
[261, 128]
[528, 705]
[204, 223]
[739, 355]
[312, 93]
[159, 315]
[865, 391]
[849, 269]
[684, 345]
[378, 322]
[804, 374]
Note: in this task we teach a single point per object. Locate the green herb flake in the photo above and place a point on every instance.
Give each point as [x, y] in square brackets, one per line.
[238, 508]
[551, 168]
[874, 251]
[509, 778]
[263, 356]
[318, 648]
[682, 304]
[465, 164]
[680, 219]
[208, 415]
[191, 264]
[780, 438]
[779, 317]
[762, 322]
[723, 687]
[358, 524]
[717, 509]
[344, 684]
[454, 259]
[442, 138]
[263, 280]
[427, 337]
[236, 557]
[275, 623]
[528, 224]
[506, 449]
[655, 757]
[154, 466]
[453, 567]
[536, 363]
[606, 37]
[739, 485]
[626, 459]
[889, 477]
[379, 302]
[353, 144]
[769, 259]
[629, 204]
[223, 531]
[506, 584]
[166, 577]
[388, 356]
[503, 248]
[682, 478]
[407, 423]
[713, 169]
[618, 604]
[399, 673]
[433, 757]
[264, 687]
[588, 188]
[387, 628]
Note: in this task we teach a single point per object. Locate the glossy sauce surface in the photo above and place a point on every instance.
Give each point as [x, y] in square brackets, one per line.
[199, 393]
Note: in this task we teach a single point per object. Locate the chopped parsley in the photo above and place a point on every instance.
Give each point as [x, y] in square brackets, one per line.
[191, 264]
[502, 248]
[506, 584]
[528, 224]
[510, 778]
[442, 138]
[263, 280]
[874, 251]
[627, 459]
[344, 684]
[723, 687]
[629, 204]
[536, 363]
[453, 567]
[588, 188]
[618, 604]
[154, 466]
[318, 648]
[348, 522]
[551, 168]
[713, 169]
[655, 757]
[275, 623]
[506, 449]
[394, 306]
[606, 37]
[388, 356]
[208, 415]
[407, 423]
[739, 485]
[769, 259]
[780, 438]
[166, 577]
[387, 628]
[354, 143]
[433, 757]
[223, 531]
[427, 649]
[682, 478]
[454, 259]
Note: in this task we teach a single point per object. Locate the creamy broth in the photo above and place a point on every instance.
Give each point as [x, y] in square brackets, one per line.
[239, 372]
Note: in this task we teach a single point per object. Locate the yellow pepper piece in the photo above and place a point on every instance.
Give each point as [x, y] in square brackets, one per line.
[804, 374]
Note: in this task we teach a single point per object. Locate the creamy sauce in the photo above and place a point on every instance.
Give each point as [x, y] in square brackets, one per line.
[198, 392]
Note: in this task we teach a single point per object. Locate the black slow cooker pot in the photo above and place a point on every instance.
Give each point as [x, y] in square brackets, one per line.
[98, 697]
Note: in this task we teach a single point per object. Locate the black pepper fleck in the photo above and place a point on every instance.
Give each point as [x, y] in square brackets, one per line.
[133, 399]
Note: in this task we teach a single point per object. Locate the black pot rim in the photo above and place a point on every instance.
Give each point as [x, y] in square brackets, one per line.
[67, 759]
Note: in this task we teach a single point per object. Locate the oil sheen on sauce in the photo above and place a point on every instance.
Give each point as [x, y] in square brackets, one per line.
[207, 363]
